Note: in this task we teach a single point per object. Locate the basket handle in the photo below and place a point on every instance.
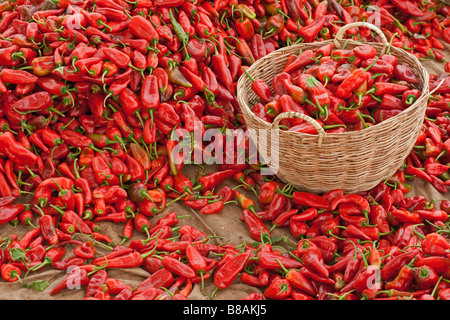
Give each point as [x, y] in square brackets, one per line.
[437, 87]
[343, 29]
[290, 115]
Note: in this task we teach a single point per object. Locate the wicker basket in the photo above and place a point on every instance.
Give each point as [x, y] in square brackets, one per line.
[353, 161]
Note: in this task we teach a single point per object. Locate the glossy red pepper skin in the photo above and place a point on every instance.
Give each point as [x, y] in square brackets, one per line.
[255, 225]
[10, 211]
[143, 29]
[278, 289]
[302, 198]
[228, 272]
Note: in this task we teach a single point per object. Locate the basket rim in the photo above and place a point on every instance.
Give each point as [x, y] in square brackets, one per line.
[377, 127]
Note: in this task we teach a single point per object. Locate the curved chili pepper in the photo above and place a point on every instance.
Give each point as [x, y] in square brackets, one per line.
[77, 275]
[278, 289]
[219, 65]
[10, 272]
[48, 229]
[226, 274]
[303, 60]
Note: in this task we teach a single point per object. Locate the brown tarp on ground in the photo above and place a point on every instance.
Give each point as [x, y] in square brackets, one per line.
[225, 226]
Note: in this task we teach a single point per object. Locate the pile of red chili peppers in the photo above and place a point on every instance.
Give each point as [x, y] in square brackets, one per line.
[342, 89]
[91, 94]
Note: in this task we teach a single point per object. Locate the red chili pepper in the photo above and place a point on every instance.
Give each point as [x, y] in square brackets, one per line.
[226, 274]
[260, 88]
[149, 96]
[392, 267]
[434, 244]
[245, 202]
[77, 276]
[10, 272]
[312, 259]
[309, 32]
[48, 229]
[319, 96]
[219, 65]
[86, 250]
[177, 267]
[278, 289]
[404, 72]
[301, 61]
[308, 199]
[256, 227]
[426, 277]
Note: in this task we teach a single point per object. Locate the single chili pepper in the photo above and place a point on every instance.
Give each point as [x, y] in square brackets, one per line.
[17, 76]
[418, 173]
[309, 32]
[435, 169]
[284, 217]
[16, 152]
[256, 227]
[362, 202]
[161, 278]
[434, 244]
[326, 70]
[278, 289]
[149, 96]
[303, 60]
[115, 286]
[244, 28]
[276, 206]
[77, 275]
[364, 277]
[433, 215]
[214, 180]
[267, 191]
[405, 216]
[299, 281]
[353, 81]
[312, 259]
[404, 72]
[10, 272]
[426, 277]
[315, 277]
[378, 217]
[226, 274]
[177, 267]
[219, 65]
[260, 88]
[308, 199]
[129, 260]
[141, 28]
[196, 261]
[212, 208]
[245, 202]
[319, 96]
[85, 250]
[48, 229]
[273, 261]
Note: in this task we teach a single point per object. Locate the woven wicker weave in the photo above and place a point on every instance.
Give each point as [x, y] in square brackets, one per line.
[353, 161]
